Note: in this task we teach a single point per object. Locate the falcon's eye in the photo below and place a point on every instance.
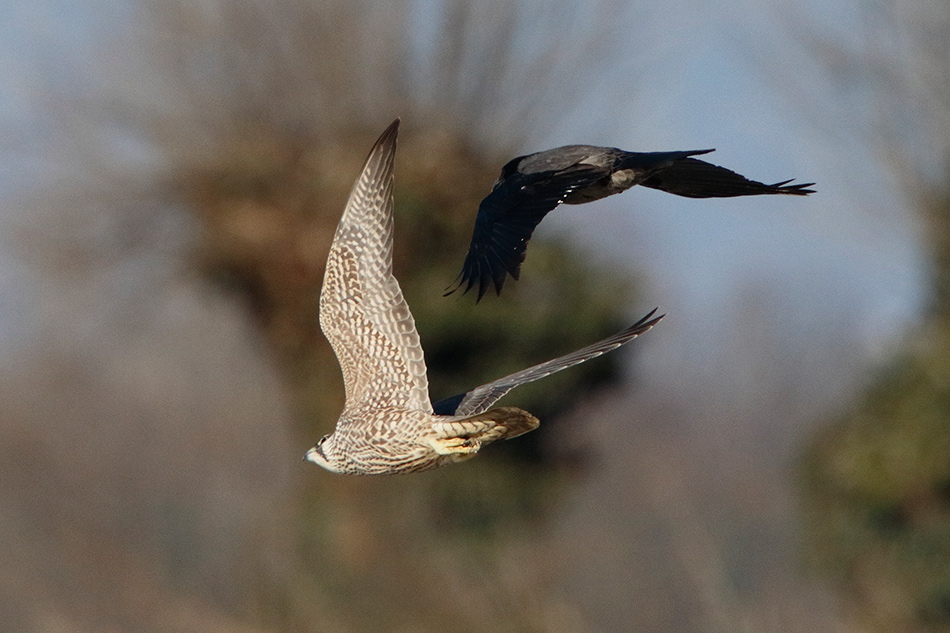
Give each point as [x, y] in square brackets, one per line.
[322, 440]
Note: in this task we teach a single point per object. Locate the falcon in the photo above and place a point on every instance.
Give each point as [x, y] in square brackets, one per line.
[388, 424]
[533, 185]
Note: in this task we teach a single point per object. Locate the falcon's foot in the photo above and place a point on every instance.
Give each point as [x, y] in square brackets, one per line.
[463, 437]
[455, 445]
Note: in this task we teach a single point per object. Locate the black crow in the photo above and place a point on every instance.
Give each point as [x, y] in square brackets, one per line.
[531, 186]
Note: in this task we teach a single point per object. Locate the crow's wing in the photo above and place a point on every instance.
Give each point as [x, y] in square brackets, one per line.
[694, 178]
[508, 216]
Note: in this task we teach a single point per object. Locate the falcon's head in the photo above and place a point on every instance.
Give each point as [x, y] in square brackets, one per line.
[323, 454]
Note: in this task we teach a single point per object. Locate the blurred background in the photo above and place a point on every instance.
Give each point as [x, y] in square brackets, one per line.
[775, 456]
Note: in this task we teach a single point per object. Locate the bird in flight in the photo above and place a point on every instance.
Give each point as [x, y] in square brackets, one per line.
[531, 186]
[388, 424]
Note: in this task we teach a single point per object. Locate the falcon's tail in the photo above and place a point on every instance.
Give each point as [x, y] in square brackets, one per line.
[511, 420]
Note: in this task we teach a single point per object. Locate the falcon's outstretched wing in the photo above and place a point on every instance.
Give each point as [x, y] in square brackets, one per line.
[480, 399]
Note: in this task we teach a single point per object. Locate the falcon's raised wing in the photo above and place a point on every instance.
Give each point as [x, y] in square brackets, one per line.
[362, 310]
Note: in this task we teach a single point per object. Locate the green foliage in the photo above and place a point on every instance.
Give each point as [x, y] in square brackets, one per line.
[877, 485]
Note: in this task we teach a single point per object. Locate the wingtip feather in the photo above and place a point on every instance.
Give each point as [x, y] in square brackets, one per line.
[646, 322]
[799, 189]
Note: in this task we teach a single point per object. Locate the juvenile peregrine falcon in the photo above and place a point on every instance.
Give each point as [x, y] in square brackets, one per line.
[531, 186]
[388, 424]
